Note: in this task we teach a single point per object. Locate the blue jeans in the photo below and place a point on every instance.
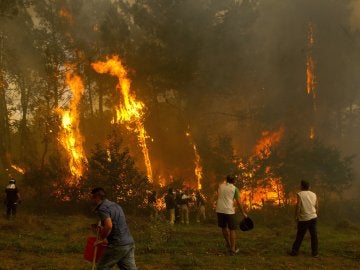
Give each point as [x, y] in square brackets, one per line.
[123, 256]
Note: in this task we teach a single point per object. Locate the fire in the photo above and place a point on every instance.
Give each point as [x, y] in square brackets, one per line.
[18, 169]
[198, 167]
[161, 181]
[130, 111]
[270, 189]
[70, 136]
[310, 72]
[64, 13]
[263, 147]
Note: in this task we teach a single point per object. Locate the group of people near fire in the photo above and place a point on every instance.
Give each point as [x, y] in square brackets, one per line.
[179, 203]
[115, 233]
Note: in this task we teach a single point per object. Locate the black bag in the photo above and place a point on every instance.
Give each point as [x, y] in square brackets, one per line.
[246, 224]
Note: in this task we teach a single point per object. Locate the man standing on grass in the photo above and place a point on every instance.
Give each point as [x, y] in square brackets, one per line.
[306, 218]
[12, 199]
[200, 205]
[115, 232]
[228, 194]
[170, 205]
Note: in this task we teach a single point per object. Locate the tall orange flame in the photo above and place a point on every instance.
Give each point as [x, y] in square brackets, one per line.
[310, 72]
[70, 136]
[272, 190]
[198, 168]
[130, 111]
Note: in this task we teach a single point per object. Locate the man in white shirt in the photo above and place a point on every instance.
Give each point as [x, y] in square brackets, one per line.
[306, 218]
[228, 193]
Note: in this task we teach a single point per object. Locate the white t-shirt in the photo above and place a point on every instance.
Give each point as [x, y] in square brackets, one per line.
[307, 204]
[226, 194]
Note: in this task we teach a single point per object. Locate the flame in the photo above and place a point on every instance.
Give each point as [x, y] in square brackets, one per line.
[268, 189]
[64, 13]
[310, 72]
[263, 147]
[312, 133]
[198, 167]
[18, 169]
[130, 111]
[70, 136]
[161, 181]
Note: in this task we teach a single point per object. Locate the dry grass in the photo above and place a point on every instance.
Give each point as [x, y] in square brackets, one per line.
[57, 242]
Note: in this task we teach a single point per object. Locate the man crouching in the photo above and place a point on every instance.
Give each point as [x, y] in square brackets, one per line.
[115, 232]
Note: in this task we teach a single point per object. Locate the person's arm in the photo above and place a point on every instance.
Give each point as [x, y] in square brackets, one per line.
[317, 206]
[297, 208]
[241, 207]
[238, 200]
[105, 231]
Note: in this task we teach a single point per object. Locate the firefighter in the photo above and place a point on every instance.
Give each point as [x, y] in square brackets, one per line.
[12, 199]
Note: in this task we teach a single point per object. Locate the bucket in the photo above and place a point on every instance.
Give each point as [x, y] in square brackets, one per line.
[90, 250]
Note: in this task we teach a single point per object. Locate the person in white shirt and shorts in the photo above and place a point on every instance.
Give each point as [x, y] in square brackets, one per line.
[228, 193]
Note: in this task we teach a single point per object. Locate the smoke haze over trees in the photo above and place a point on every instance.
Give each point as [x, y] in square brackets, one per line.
[227, 70]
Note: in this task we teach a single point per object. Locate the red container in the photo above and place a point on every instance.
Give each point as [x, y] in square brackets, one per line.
[90, 250]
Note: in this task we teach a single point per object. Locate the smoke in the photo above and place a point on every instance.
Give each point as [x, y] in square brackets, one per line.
[355, 14]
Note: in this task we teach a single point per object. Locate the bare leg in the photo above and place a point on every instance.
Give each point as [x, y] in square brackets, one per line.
[226, 235]
[233, 240]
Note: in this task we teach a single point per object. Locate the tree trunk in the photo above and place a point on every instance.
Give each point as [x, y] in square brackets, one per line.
[24, 99]
[101, 101]
[90, 98]
[4, 126]
[46, 134]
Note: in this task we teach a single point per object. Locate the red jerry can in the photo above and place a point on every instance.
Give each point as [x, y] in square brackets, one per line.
[90, 250]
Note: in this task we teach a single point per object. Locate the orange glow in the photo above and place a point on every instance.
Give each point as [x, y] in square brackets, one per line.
[272, 192]
[310, 72]
[130, 111]
[18, 169]
[312, 133]
[263, 147]
[161, 181]
[269, 189]
[64, 13]
[70, 136]
[198, 168]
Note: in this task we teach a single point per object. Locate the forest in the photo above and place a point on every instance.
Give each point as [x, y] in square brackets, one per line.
[142, 95]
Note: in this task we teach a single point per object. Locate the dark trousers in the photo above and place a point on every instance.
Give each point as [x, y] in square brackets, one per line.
[10, 209]
[123, 256]
[302, 227]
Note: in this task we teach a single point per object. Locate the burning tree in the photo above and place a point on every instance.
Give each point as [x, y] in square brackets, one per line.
[130, 111]
[260, 184]
[322, 165]
[112, 167]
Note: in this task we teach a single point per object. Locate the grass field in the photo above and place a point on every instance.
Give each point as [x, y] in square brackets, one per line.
[57, 242]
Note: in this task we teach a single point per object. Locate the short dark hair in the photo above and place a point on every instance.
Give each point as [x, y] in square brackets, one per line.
[100, 192]
[304, 185]
[230, 179]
